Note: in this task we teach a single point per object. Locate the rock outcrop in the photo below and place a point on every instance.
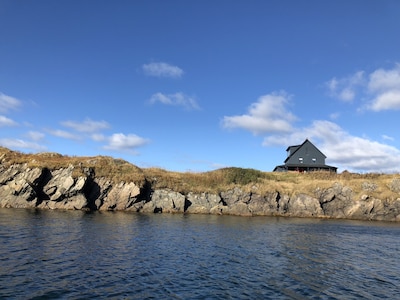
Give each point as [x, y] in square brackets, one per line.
[42, 188]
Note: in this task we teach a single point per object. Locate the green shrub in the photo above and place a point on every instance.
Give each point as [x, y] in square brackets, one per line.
[242, 176]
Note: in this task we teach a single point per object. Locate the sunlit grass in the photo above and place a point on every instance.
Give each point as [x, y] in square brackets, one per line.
[116, 170]
[249, 180]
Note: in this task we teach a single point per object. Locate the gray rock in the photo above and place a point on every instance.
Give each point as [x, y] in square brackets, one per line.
[264, 205]
[24, 187]
[369, 186]
[395, 185]
[305, 206]
[121, 197]
[165, 200]
[231, 197]
[17, 188]
[201, 203]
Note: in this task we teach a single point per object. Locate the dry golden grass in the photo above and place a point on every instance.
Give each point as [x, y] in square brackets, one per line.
[116, 170]
[371, 184]
[214, 181]
[291, 183]
[250, 180]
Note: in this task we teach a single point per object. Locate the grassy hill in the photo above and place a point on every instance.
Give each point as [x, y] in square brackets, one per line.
[117, 170]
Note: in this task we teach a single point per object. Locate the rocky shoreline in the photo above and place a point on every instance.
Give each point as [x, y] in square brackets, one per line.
[22, 186]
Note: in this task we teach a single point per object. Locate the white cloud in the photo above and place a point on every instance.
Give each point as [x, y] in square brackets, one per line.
[87, 126]
[21, 144]
[381, 88]
[384, 85]
[122, 142]
[8, 103]
[4, 121]
[98, 137]
[268, 115]
[161, 69]
[388, 138]
[332, 85]
[89, 129]
[347, 94]
[383, 80]
[35, 135]
[343, 149]
[64, 134]
[346, 88]
[386, 101]
[177, 99]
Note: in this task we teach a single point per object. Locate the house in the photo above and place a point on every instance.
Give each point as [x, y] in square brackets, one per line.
[304, 157]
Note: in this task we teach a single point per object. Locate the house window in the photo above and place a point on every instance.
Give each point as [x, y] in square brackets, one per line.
[314, 160]
[301, 160]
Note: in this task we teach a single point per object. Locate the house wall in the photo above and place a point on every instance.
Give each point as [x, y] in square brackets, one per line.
[309, 155]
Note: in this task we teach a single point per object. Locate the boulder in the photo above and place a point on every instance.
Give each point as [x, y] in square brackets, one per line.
[165, 200]
[235, 195]
[120, 197]
[264, 205]
[305, 206]
[18, 186]
[201, 203]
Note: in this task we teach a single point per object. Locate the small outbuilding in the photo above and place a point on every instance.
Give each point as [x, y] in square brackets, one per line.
[303, 158]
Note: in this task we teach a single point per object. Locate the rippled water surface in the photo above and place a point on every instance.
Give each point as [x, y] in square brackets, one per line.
[76, 255]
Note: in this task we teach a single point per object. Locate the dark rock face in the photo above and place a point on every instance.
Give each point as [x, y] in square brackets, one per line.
[23, 187]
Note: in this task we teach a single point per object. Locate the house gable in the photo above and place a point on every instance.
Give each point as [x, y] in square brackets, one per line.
[304, 157]
[291, 149]
[305, 153]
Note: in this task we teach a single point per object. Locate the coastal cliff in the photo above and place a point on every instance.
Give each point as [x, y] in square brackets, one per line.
[52, 181]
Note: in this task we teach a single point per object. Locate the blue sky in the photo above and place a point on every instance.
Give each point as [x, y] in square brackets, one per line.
[200, 85]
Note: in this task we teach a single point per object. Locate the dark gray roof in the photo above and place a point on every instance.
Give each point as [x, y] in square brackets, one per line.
[299, 146]
[303, 166]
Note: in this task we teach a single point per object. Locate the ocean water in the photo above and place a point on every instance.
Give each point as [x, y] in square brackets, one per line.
[78, 255]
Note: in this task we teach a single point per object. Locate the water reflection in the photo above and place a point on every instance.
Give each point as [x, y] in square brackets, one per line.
[72, 254]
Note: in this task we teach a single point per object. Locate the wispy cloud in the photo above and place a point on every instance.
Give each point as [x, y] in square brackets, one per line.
[89, 129]
[268, 115]
[87, 126]
[384, 85]
[346, 88]
[4, 121]
[78, 130]
[388, 138]
[35, 135]
[161, 69]
[98, 137]
[8, 103]
[177, 99]
[334, 116]
[21, 144]
[380, 89]
[64, 134]
[343, 149]
[127, 143]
